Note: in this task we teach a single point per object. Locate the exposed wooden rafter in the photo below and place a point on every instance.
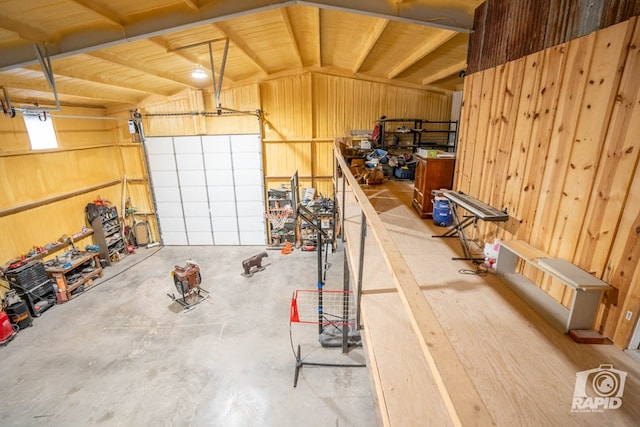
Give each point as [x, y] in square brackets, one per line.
[25, 32]
[292, 37]
[374, 35]
[65, 88]
[440, 38]
[318, 33]
[79, 76]
[102, 11]
[136, 66]
[445, 72]
[241, 45]
[192, 4]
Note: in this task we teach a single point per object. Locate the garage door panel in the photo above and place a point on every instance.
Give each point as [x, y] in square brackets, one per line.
[172, 238]
[162, 162]
[246, 193]
[248, 177]
[228, 223]
[190, 161]
[246, 161]
[217, 161]
[249, 223]
[208, 189]
[222, 194]
[228, 238]
[199, 238]
[162, 145]
[250, 208]
[195, 209]
[222, 209]
[198, 224]
[252, 238]
[192, 178]
[246, 143]
[187, 144]
[219, 177]
[170, 209]
[167, 194]
[164, 178]
[194, 194]
[216, 144]
[172, 224]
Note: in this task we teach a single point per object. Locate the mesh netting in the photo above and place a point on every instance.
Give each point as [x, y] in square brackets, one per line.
[322, 307]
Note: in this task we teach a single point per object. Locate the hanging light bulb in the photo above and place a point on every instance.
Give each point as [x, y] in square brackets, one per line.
[199, 73]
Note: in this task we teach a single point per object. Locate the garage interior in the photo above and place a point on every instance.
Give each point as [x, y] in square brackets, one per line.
[541, 99]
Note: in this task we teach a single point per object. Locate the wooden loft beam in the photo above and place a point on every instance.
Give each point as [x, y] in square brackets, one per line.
[445, 72]
[371, 41]
[434, 43]
[462, 400]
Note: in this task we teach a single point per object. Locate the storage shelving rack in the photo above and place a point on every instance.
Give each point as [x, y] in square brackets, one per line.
[280, 202]
[108, 235]
[411, 134]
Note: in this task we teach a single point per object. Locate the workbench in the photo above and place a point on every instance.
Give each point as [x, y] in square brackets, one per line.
[74, 267]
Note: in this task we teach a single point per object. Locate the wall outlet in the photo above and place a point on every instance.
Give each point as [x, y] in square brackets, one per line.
[629, 314]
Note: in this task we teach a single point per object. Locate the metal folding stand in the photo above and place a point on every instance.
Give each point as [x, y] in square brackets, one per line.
[323, 320]
[478, 210]
[457, 230]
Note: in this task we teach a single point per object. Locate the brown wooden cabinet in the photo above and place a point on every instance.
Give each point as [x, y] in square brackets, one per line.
[431, 174]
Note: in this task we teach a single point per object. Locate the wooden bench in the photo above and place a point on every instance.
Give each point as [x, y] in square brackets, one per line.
[588, 288]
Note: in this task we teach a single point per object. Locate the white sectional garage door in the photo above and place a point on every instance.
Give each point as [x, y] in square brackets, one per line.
[208, 189]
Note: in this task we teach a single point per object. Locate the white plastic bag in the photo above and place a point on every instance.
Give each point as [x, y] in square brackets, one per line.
[491, 254]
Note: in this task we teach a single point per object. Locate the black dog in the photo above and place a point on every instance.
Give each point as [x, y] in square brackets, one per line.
[254, 261]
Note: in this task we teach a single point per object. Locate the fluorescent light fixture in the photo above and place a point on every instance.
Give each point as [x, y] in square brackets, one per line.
[199, 73]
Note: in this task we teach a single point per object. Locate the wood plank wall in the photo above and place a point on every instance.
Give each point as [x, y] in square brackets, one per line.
[43, 193]
[505, 30]
[554, 137]
[302, 115]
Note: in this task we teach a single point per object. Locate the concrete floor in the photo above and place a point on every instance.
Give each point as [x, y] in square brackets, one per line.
[123, 353]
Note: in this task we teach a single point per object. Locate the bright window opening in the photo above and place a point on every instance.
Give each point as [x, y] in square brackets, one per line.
[41, 133]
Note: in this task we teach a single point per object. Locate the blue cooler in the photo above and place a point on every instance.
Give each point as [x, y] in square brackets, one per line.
[442, 215]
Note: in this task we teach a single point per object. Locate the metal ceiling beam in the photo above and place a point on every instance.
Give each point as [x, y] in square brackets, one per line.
[435, 14]
[421, 51]
[173, 20]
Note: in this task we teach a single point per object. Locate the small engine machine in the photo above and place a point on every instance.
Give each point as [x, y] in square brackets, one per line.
[187, 281]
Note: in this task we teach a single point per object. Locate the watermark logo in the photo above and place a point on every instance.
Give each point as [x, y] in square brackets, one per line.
[598, 389]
